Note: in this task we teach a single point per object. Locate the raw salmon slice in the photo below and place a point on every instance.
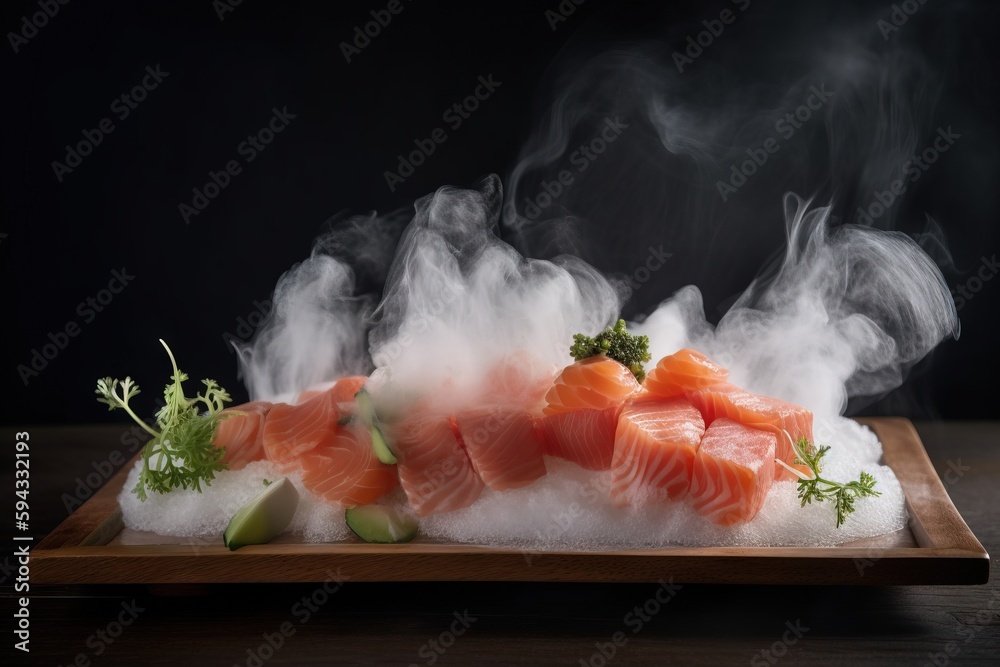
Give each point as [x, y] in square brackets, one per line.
[586, 437]
[503, 444]
[733, 471]
[343, 389]
[786, 421]
[595, 383]
[241, 432]
[581, 411]
[345, 470]
[293, 430]
[434, 470]
[655, 447]
[686, 370]
[498, 432]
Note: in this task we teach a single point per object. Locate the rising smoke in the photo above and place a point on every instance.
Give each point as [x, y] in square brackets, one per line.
[845, 311]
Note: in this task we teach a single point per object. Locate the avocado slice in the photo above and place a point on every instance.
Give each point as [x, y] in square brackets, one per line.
[381, 524]
[381, 447]
[264, 517]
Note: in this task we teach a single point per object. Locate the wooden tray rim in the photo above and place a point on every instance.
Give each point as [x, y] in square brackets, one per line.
[76, 552]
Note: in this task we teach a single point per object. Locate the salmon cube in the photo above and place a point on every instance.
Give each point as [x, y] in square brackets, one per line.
[733, 471]
[655, 446]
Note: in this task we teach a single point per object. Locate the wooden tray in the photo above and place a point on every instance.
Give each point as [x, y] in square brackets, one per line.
[90, 547]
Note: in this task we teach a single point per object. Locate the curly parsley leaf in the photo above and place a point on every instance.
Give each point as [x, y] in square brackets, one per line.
[181, 453]
[818, 489]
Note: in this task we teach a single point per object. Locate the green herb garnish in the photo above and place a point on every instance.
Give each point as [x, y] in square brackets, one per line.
[819, 489]
[618, 344]
[181, 453]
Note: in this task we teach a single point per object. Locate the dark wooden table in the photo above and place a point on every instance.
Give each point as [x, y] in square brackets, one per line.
[504, 624]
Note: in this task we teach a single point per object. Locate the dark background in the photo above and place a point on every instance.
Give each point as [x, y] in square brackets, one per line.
[193, 282]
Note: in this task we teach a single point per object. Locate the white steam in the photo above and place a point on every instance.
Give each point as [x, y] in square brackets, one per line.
[314, 333]
[846, 313]
[459, 300]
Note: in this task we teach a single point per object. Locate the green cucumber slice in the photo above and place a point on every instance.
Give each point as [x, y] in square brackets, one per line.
[381, 524]
[264, 517]
[366, 413]
[366, 407]
[381, 447]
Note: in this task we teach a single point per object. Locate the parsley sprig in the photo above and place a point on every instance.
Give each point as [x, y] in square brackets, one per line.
[618, 344]
[843, 495]
[181, 453]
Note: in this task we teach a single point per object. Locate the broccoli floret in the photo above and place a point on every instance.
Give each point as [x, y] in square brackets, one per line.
[618, 344]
